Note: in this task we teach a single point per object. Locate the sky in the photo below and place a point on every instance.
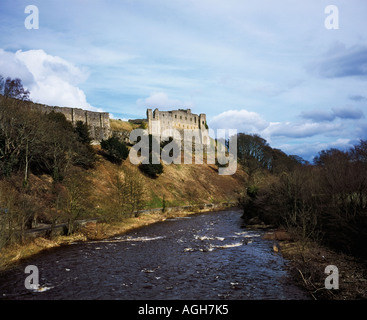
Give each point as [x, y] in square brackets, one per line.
[288, 70]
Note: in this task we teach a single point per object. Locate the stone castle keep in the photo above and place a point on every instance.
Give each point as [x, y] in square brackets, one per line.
[180, 120]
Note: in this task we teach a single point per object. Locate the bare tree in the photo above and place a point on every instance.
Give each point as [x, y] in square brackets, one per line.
[127, 195]
[13, 88]
[74, 198]
[135, 190]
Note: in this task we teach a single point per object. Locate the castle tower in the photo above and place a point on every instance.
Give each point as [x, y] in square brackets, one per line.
[149, 118]
[202, 121]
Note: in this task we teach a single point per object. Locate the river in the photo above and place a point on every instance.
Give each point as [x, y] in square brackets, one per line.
[204, 256]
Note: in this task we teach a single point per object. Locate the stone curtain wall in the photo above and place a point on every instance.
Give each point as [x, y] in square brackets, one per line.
[98, 122]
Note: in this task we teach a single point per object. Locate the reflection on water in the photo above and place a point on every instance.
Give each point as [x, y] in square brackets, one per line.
[206, 256]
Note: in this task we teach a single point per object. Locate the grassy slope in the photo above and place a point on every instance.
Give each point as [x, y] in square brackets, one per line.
[179, 184]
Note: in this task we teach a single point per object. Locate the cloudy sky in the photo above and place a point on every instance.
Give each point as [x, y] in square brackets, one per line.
[269, 67]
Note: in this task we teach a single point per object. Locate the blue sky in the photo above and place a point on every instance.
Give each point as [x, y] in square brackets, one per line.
[265, 67]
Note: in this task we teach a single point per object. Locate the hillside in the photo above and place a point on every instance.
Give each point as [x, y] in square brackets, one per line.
[49, 172]
[179, 184]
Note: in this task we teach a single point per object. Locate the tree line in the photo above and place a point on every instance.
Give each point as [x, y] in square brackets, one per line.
[325, 201]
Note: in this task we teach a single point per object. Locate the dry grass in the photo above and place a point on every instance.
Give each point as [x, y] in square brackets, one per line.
[119, 125]
[181, 184]
[12, 254]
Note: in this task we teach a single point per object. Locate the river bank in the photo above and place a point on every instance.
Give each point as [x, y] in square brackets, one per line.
[15, 253]
[307, 263]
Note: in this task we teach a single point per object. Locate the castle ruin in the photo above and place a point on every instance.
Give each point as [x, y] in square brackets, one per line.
[159, 122]
[163, 122]
[97, 122]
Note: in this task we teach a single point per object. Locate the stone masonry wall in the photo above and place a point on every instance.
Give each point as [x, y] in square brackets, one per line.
[181, 119]
[98, 122]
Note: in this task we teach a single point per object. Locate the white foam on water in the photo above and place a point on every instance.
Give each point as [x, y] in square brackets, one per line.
[245, 234]
[230, 245]
[208, 249]
[38, 288]
[241, 233]
[143, 238]
[212, 247]
[177, 218]
[202, 238]
[128, 239]
[219, 238]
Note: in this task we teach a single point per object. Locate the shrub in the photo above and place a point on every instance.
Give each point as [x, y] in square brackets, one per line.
[82, 131]
[152, 170]
[116, 151]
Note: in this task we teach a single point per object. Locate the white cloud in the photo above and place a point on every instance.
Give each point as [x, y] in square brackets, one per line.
[161, 101]
[11, 66]
[242, 120]
[300, 130]
[43, 66]
[50, 79]
[251, 122]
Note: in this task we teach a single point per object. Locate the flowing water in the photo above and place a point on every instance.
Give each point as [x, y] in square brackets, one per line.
[205, 256]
